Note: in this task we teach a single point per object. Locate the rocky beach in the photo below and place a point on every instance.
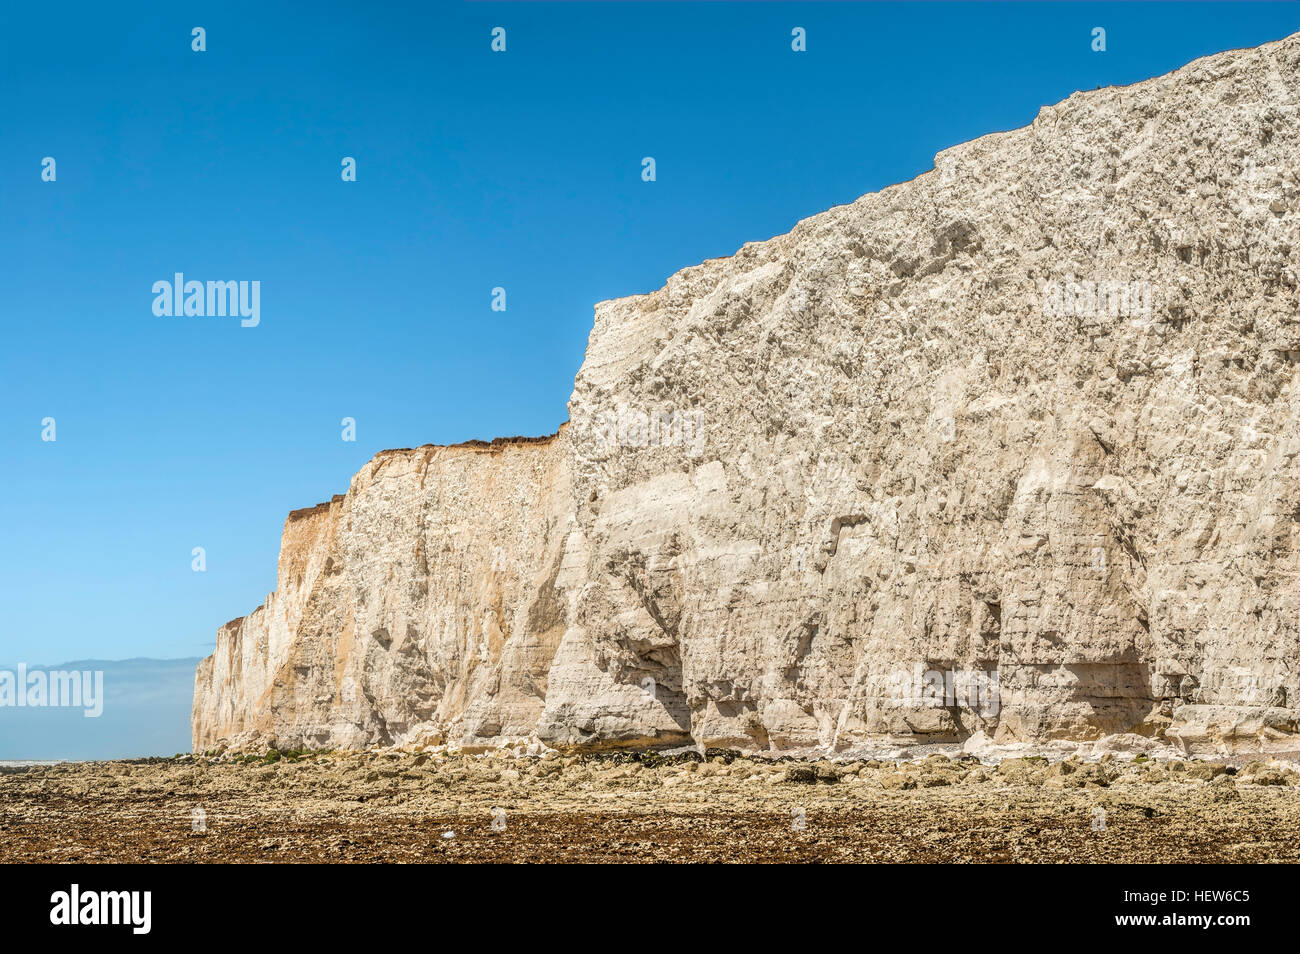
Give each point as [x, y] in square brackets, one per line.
[716, 807]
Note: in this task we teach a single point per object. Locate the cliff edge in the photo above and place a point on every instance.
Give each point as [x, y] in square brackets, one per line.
[1007, 449]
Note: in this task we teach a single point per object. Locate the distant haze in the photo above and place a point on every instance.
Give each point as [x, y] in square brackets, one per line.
[146, 711]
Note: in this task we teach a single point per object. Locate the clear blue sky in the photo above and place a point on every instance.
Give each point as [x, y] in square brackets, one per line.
[475, 170]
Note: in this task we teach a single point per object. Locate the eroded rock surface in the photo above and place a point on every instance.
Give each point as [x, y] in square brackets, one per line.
[420, 602]
[1032, 413]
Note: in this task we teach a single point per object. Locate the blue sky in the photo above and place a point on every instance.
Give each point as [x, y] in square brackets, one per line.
[475, 170]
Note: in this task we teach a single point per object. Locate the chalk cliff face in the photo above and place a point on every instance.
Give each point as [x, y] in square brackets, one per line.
[420, 602]
[1029, 417]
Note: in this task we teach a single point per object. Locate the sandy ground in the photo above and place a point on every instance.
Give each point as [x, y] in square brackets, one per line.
[399, 807]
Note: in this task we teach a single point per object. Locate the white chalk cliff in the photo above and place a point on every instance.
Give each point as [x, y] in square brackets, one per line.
[1034, 412]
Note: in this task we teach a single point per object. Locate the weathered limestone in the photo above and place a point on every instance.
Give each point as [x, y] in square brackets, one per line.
[1032, 413]
[418, 603]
